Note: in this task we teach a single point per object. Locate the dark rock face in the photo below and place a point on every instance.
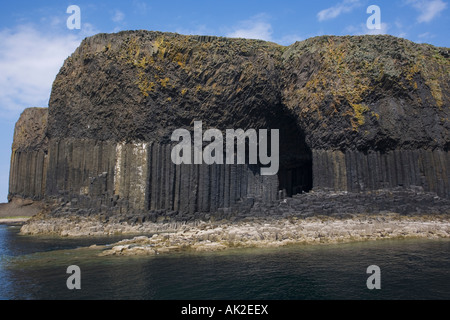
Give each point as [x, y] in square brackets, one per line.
[354, 113]
[28, 171]
[141, 86]
[369, 93]
[359, 171]
[375, 111]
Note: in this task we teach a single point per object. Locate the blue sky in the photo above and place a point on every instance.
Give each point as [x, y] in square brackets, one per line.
[35, 40]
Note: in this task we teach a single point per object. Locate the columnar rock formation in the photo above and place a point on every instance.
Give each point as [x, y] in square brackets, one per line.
[354, 113]
[28, 170]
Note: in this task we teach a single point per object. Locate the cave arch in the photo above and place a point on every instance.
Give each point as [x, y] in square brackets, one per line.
[295, 172]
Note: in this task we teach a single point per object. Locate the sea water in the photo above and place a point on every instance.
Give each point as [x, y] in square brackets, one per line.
[34, 267]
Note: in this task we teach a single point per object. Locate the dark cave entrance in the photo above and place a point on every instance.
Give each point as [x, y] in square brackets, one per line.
[295, 180]
[295, 172]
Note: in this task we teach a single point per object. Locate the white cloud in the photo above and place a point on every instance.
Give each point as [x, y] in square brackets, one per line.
[53, 21]
[140, 6]
[382, 30]
[363, 30]
[255, 28]
[335, 11]
[30, 61]
[426, 36]
[87, 30]
[196, 31]
[259, 28]
[428, 9]
[289, 39]
[118, 16]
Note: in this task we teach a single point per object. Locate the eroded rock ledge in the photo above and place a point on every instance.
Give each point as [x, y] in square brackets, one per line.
[316, 217]
[280, 232]
[249, 232]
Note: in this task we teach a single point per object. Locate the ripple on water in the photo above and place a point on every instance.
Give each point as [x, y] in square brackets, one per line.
[35, 268]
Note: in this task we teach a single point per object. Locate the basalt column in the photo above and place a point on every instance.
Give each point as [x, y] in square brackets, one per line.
[190, 188]
[81, 169]
[29, 159]
[357, 171]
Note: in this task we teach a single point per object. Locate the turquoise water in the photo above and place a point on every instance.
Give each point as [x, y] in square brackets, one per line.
[35, 268]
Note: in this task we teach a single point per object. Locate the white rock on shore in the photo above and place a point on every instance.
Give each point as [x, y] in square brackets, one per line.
[268, 232]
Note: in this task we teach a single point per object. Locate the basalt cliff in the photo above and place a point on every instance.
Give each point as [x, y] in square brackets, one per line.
[355, 114]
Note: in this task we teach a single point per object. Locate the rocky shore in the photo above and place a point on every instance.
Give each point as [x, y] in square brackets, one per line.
[314, 218]
[19, 210]
[281, 232]
[248, 232]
